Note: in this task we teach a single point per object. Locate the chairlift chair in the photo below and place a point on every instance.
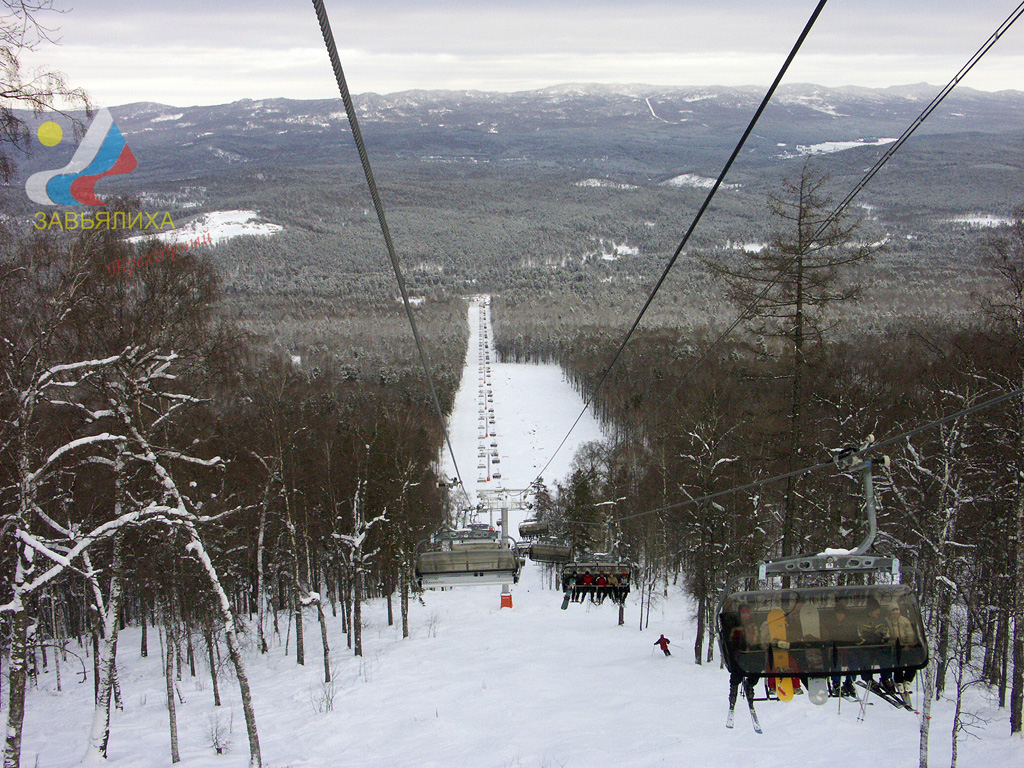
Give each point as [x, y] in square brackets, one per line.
[551, 549]
[532, 527]
[597, 565]
[475, 555]
[833, 630]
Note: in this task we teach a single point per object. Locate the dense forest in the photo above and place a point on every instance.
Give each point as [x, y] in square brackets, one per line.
[163, 464]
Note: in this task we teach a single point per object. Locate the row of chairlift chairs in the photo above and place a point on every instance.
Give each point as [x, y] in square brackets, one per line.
[488, 460]
[477, 555]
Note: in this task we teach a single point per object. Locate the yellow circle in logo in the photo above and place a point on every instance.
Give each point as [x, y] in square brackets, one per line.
[50, 134]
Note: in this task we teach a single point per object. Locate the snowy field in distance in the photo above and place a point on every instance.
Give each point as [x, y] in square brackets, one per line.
[981, 220]
[604, 183]
[827, 147]
[695, 180]
[221, 226]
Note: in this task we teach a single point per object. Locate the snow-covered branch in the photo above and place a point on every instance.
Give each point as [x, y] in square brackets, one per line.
[103, 437]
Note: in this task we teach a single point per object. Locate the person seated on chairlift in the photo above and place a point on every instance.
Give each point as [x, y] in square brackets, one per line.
[574, 585]
[588, 585]
[876, 630]
[623, 586]
[613, 587]
[902, 630]
[600, 587]
[840, 631]
[745, 636]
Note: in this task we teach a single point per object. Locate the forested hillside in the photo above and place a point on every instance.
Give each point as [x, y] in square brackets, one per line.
[164, 463]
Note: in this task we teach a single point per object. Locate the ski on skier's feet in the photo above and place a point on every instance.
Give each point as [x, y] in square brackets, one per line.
[753, 719]
[748, 691]
[905, 695]
[889, 697]
[730, 720]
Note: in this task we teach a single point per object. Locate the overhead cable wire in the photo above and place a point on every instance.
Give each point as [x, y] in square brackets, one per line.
[346, 97]
[693, 225]
[893, 148]
[814, 468]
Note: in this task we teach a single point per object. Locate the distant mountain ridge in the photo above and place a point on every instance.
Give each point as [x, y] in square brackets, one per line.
[569, 124]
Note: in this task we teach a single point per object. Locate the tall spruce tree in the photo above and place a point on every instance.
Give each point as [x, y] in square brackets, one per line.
[785, 291]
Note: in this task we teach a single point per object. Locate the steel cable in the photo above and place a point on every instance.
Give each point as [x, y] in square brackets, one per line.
[339, 75]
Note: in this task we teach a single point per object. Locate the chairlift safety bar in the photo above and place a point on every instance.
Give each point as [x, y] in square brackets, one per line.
[852, 563]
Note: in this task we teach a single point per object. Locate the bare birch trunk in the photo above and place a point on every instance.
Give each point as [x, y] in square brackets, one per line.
[347, 611]
[144, 621]
[213, 665]
[99, 736]
[712, 631]
[169, 652]
[698, 643]
[234, 652]
[58, 640]
[16, 677]
[323, 638]
[300, 645]
[404, 587]
[927, 695]
[1017, 685]
[357, 612]
[191, 655]
[260, 600]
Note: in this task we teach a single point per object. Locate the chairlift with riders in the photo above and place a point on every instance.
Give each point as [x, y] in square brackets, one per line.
[836, 614]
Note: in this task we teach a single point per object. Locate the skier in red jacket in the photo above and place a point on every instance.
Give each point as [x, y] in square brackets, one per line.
[663, 642]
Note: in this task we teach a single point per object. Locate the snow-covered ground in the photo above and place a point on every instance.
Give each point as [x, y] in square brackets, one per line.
[828, 147]
[477, 686]
[694, 180]
[605, 183]
[981, 220]
[219, 226]
[533, 408]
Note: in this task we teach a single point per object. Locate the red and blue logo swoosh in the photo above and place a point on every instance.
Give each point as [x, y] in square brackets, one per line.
[103, 152]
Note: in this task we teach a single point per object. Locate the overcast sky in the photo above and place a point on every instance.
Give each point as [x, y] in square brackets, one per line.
[187, 52]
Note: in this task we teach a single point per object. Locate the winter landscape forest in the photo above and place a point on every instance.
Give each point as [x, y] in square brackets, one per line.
[218, 467]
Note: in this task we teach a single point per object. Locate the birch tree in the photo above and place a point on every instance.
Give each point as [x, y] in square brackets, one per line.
[137, 392]
[32, 386]
[23, 28]
[936, 486]
[358, 559]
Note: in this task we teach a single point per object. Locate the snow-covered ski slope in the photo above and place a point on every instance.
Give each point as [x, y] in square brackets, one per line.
[533, 409]
[476, 686]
